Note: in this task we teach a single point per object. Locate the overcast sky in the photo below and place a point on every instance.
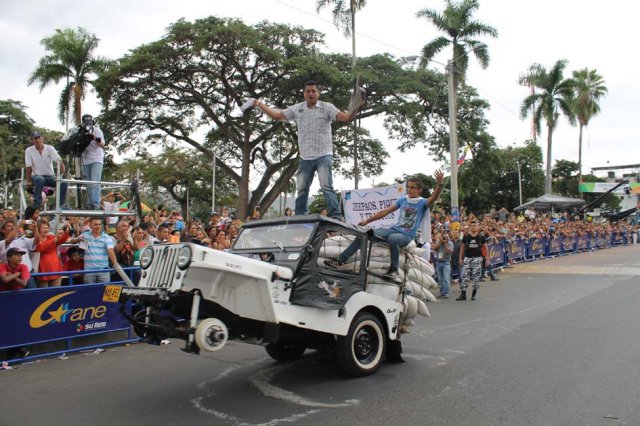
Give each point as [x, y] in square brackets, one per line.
[587, 33]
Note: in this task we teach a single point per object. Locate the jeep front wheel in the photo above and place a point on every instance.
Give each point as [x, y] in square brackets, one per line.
[361, 351]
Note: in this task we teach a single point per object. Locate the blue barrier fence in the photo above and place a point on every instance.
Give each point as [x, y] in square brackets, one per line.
[64, 314]
[525, 250]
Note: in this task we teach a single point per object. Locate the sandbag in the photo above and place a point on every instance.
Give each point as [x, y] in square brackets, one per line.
[420, 292]
[410, 309]
[422, 309]
[389, 291]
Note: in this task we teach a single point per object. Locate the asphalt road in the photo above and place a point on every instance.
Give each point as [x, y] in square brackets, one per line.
[555, 342]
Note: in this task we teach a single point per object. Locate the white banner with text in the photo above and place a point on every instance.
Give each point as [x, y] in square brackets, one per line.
[361, 204]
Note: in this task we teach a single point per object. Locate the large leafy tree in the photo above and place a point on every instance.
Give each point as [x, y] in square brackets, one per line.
[15, 126]
[589, 88]
[565, 181]
[554, 96]
[188, 87]
[182, 174]
[70, 58]
[491, 177]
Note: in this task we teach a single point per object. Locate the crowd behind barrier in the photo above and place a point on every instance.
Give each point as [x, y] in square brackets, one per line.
[531, 249]
[527, 237]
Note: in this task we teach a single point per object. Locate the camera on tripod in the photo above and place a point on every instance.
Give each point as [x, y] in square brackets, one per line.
[77, 139]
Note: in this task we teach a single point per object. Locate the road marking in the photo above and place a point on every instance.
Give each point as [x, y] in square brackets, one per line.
[261, 381]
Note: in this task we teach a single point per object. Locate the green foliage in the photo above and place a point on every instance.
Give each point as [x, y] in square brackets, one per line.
[457, 22]
[15, 126]
[553, 97]
[565, 178]
[344, 12]
[589, 88]
[491, 177]
[70, 58]
[171, 173]
[187, 87]
[319, 203]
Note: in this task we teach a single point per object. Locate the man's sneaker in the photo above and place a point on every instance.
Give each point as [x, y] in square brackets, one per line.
[444, 296]
[333, 263]
[392, 275]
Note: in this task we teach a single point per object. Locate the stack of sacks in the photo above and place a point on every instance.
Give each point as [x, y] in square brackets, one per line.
[415, 273]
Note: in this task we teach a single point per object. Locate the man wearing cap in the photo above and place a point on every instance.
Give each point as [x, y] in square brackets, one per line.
[14, 275]
[14, 237]
[39, 159]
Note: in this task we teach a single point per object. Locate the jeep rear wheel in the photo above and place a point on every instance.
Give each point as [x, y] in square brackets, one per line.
[285, 352]
[361, 351]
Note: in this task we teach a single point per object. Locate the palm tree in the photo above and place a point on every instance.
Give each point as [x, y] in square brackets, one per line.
[70, 57]
[555, 96]
[345, 17]
[456, 20]
[589, 88]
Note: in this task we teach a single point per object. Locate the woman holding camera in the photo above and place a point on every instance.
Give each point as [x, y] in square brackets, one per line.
[49, 258]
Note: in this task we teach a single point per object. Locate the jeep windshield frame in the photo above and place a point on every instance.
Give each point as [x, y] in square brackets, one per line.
[275, 236]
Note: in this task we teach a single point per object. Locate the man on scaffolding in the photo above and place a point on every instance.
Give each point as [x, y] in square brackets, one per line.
[39, 159]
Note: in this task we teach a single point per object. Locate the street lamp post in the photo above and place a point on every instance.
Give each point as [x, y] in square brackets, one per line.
[519, 182]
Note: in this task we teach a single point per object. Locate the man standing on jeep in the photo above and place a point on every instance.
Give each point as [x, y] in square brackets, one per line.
[413, 211]
[313, 118]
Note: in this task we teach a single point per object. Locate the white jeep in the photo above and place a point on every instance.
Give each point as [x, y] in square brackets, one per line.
[271, 289]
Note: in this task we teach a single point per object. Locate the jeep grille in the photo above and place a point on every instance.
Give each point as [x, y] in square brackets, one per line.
[163, 269]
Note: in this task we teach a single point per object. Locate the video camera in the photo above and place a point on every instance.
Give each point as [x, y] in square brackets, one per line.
[77, 139]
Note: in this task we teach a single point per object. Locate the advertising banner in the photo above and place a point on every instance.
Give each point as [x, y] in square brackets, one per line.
[583, 242]
[30, 316]
[601, 187]
[536, 246]
[363, 203]
[568, 244]
[496, 253]
[517, 249]
[619, 238]
[555, 245]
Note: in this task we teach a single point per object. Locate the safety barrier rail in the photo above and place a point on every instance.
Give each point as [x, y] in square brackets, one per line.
[64, 315]
[531, 249]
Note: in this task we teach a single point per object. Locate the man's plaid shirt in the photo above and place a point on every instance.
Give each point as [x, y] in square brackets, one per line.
[314, 128]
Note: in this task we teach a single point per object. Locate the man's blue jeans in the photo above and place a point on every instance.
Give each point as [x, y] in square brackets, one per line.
[304, 178]
[93, 172]
[39, 182]
[443, 270]
[394, 238]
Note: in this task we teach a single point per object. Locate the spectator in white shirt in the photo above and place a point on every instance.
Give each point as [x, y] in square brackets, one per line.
[39, 159]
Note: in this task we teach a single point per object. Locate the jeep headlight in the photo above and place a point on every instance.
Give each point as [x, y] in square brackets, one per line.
[146, 257]
[184, 257]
